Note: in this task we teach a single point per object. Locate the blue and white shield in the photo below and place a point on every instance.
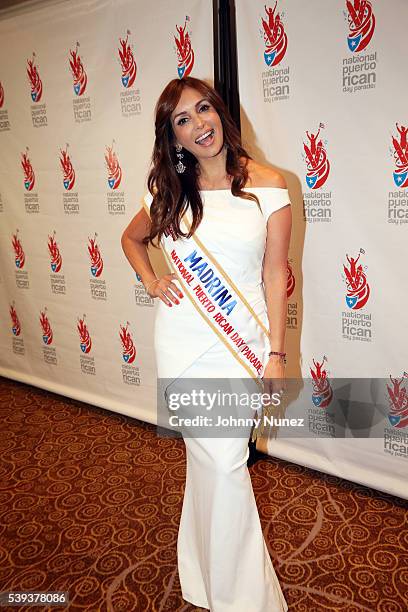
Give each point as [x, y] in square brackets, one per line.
[53, 267]
[66, 184]
[181, 70]
[111, 183]
[83, 347]
[93, 270]
[394, 419]
[269, 57]
[77, 87]
[400, 178]
[26, 184]
[311, 181]
[317, 400]
[351, 301]
[353, 42]
[18, 263]
[33, 96]
[45, 339]
[126, 357]
[125, 80]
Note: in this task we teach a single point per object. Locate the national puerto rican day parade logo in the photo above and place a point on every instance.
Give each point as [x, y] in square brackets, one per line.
[397, 212]
[276, 78]
[317, 203]
[359, 69]
[356, 322]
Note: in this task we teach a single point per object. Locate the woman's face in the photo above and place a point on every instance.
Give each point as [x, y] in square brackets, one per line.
[193, 118]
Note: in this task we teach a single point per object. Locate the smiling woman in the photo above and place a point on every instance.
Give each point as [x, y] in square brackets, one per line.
[227, 250]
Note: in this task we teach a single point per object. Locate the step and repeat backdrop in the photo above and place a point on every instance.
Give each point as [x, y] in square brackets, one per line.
[323, 98]
[78, 85]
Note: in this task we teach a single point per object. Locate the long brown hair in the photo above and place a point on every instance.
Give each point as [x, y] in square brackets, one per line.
[173, 193]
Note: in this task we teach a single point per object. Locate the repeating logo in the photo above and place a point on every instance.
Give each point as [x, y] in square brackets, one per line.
[322, 390]
[84, 337]
[317, 163]
[78, 72]
[358, 290]
[29, 176]
[290, 281]
[19, 255]
[15, 322]
[55, 255]
[47, 334]
[184, 50]
[4, 119]
[400, 154]
[35, 81]
[128, 346]
[67, 169]
[96, 258]
[128, 63]
[275, 38]
[398, 401]
[113, 167]
[361, 23]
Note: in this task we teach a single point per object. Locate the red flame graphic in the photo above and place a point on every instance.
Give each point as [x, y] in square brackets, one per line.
[16, 327]
[36, 83]
[85, 338]
[185, 53]
[68, 170]
[398, 399]
[361, 23]
[322, 391]
[358, 290]
[128, 347]
[1, 95]
[128, 63]
[114, 169]
[29, 176]
[275, 38]
[96, 258]
[318, 166]
[19, 255]
[46, 328]
[56, 259]
[401, 156]
[78, 72]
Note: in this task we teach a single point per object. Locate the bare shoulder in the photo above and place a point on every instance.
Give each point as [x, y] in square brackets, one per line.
[264, 176]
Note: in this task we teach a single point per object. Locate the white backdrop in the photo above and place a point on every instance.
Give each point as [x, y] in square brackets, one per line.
[67, 267]
[74, 150]
[323, 99]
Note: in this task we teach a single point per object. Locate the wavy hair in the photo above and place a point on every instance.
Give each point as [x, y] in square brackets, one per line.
[174, 193]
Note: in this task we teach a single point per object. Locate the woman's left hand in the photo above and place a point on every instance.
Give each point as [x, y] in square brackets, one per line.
[274, 375]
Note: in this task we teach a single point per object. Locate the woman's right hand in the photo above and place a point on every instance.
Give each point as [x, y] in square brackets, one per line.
[166, 290]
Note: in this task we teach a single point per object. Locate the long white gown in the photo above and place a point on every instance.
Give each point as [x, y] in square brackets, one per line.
[223, 560]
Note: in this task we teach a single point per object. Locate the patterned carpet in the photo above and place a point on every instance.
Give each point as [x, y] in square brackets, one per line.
[90, 503]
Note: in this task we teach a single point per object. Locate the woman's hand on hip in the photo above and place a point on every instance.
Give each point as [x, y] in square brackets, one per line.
[166, 290]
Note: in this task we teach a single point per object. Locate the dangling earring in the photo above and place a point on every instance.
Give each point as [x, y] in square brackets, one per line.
[180, 167]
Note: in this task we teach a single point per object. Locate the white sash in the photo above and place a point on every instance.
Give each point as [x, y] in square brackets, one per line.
[215, 296]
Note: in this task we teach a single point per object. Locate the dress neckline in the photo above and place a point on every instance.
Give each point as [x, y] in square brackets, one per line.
[244, 189]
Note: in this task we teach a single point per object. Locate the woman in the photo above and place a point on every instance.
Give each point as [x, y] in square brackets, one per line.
[223, 222]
